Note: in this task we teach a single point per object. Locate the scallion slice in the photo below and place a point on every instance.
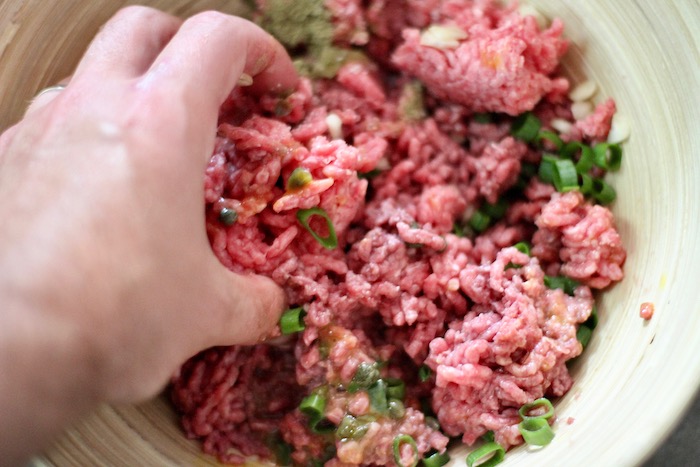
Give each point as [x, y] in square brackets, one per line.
[480, 221]
[536, 431]
[586, 184]
[497, 210]
[299, 178]
[592, 320]
[424, 373]
[567, 284]
[541, 402]
[368, 175]
[546, 170]
[546, 135]
[405, 439]
[352, 428]
[583, 335]
[396, 409]
[488, 455]
[586, 159]
[435, 459]
[303, 216]
[313, 405]
[292, 321]
[522, 247]
[565, 176]
[228, 216]
[608, 156]
[489, 436]
[482, 118]
[365, 376]
[526, 127]
[395, 388]
[602, 192]
[377, 396]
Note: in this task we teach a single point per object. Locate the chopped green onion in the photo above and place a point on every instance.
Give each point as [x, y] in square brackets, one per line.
[541, 402]
[602, 192]
[365, 376]
[322, 426]
[536, 431]
[546, 135]
[432, 422]
[395, 388]
[526, 127]
[522, 247]
[368, 175]
[581, 153]
[313, 405]
[488, 455]
[405, 439]
[435, 459]
[592, 320]
[303, 216]
[292, 321]
[489, 436]
[482, 118]
[228, 216]
[299, 178]
[561, 282]
[546, 170]
[480, 221]
[282, 452]
[377, 396]
[583, 335]
[352, 428]
[424, 373]
[586, 184]
[458, 230]
[497, 210]
[396, 409]
[608, 156]
[565, 176]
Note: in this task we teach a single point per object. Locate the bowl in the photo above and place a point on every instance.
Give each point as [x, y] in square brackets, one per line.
[637, 377]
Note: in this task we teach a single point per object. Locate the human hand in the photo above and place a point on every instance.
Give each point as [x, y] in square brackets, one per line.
[103, 245]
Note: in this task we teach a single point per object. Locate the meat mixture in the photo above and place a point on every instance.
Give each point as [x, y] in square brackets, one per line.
[394, 200]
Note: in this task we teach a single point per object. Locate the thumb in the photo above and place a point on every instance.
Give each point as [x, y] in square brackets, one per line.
[246, 307]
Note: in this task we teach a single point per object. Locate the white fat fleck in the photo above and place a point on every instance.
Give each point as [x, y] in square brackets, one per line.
[562, 126]
[453, 284]
[109, 130]
[442, 37]
[583, 91]
[529, 10]
[335, 126]
[619, 129]
[383, 164]
[245, 80]
[581, 110]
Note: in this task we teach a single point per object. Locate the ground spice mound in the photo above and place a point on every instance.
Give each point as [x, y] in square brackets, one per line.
[400, 146]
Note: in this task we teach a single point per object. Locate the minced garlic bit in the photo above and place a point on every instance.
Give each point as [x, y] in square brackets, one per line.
[583, 91]
[245, 80]
[619, 130]
[442, 37]
[562, 126]
[581, 110]
[335, 126]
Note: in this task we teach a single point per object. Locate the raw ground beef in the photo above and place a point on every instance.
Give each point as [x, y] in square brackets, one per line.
[399, 161]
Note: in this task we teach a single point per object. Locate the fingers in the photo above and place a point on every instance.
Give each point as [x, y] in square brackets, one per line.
[210, 52]
[245, 308]
[128, 43]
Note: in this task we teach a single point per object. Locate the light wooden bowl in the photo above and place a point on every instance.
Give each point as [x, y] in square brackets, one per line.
[637, 377]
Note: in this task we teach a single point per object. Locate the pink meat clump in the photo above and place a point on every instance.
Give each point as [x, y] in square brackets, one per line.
[394, 165]
[502, 62]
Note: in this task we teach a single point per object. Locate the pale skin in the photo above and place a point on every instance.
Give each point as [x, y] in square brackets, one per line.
[107, 279]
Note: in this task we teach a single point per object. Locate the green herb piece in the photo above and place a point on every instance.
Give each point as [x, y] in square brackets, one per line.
[405, 439]
[435, 459]
[424, 373]
[329, 242]
[537, 403]
[365, 376]
[292, 321]
[567, 284]
[608, 156]
[488, 455]
[526, 127]
[536, 431]
[299, 178]
[228, 216]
